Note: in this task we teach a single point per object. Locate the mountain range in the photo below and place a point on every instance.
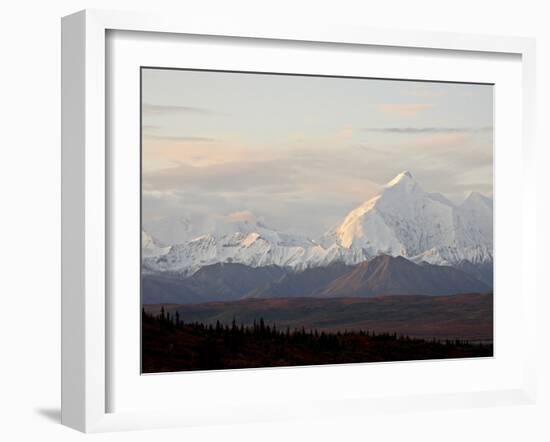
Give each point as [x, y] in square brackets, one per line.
[402, 220]
[379, 276]
[403, 241]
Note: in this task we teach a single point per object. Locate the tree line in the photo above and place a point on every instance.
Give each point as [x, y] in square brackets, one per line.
[237, 333]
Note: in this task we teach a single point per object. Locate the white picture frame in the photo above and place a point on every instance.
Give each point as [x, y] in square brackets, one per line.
[86, 200]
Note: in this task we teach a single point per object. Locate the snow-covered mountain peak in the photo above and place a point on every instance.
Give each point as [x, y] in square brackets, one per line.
[243, 222]
[476, 198]
[402, 178]
[151, 247]
[400, 186]
[404, 220]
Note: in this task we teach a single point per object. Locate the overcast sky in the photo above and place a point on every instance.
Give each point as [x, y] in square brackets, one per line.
[300, 152]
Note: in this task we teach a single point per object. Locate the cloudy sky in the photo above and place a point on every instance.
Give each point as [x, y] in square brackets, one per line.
[300, 152]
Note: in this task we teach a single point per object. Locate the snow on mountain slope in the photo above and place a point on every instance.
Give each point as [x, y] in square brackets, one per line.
[150, 247]
[477, 210]
[244, 240]
[176, 229]
[403, 220]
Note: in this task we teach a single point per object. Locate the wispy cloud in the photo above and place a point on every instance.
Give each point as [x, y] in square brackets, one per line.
[162, 109]
[344, 133]
[226, 177]
[428, 130]
[405, 110]
[198, 153]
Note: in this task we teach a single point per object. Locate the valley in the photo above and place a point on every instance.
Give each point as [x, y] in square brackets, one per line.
[466, 317]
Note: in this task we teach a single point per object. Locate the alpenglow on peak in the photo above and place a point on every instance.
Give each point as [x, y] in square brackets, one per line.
[404, 220]
[403, 176]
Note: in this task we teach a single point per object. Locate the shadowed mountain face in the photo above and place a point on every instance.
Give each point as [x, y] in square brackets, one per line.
[465, 316]
[307, 283]
[216, 282]
[386, 275]
[482, 272]
[234, 280]
[382, 275]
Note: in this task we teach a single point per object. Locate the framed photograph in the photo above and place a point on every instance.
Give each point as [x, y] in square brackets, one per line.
[282, 225]
[250, 214]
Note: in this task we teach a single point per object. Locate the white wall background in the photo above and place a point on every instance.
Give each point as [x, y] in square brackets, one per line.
[30, 219]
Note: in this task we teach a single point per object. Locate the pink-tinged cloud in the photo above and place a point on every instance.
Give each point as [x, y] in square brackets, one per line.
[405, 110]
[344, 133]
